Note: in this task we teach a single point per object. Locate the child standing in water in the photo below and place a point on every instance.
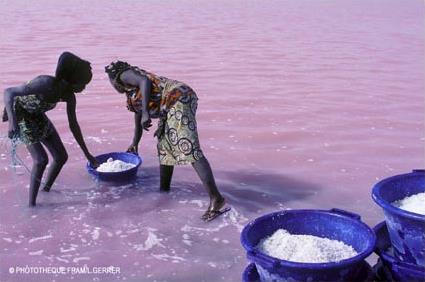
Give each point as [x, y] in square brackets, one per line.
[25, 108]
[174, 104]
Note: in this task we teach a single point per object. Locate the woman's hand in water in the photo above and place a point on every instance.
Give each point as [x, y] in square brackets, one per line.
[94, 163]
[13, 128]
[133, 149]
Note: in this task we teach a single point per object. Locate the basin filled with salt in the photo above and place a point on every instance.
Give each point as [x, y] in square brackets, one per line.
[401, 198]
[309, 245]
[116, 166]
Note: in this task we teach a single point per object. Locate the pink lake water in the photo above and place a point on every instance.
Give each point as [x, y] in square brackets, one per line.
[302, 104]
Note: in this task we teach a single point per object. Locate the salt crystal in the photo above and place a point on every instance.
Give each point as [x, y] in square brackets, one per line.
[40, 238]
[304, 248]
[76, 260]
[413, 203]
[36, 253]
[95, 234]
[112, 165]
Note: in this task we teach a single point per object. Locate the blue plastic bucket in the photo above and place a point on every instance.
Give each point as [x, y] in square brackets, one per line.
[250, 273]
[406, 229]
[334, 224]
[392, 269]
[116, 176]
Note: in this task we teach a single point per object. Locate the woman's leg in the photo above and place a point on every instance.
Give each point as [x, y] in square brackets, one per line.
[55, 146]
[203, 169]
[40, 161]
[165, 173]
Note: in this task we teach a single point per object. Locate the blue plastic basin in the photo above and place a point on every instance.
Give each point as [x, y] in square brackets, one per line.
[397, 270]
[334, 224]
[250, 273]
[406, 229]
[116, 176]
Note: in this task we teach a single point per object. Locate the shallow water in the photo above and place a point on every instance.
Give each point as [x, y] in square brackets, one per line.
[303, 104]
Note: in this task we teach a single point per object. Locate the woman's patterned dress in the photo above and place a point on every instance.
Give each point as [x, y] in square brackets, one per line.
[175, 104]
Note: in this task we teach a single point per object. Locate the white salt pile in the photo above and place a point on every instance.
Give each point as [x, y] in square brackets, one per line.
[304, 248]
[414, 203]
[112, 165]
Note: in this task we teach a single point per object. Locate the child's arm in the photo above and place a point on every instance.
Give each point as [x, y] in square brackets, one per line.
[9, 96]
[38, 85]
[75, 129]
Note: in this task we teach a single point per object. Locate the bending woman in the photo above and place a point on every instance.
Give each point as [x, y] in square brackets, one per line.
[25, 108]
[174, 104]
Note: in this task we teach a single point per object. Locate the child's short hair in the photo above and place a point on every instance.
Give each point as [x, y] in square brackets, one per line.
[73, 69]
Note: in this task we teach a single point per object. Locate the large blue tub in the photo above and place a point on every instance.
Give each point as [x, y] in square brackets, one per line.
[334, 224]
[406, 229]
[250, 274]
[391, 269]
[116, 176]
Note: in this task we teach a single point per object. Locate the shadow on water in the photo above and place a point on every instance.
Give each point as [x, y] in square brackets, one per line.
[246, 190]
[251, 190]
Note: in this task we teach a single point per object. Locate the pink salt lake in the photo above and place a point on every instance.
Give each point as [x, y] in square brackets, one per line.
[302, 104]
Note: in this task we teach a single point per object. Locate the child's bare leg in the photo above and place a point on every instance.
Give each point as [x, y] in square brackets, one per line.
[40, 160]
[203, 169]
[165, 173]
[56, 148]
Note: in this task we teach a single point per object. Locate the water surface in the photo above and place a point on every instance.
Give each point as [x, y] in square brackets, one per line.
[302, 104]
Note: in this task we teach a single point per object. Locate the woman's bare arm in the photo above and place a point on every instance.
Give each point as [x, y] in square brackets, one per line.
[130, 77]
[138, 132]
